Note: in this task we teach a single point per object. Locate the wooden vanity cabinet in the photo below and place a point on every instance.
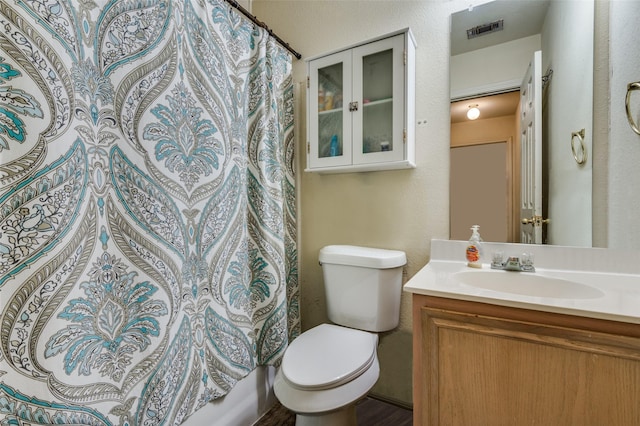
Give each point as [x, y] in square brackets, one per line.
[482, 364]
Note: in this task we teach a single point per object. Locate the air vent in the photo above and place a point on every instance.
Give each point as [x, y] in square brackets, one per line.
[485, 29]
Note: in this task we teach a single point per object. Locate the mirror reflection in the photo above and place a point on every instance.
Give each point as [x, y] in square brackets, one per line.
[495, 182]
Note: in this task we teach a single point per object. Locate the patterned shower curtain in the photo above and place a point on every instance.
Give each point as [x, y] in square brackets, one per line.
[147, 208]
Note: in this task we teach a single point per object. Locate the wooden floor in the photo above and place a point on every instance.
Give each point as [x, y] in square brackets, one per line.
[370, 412]
[373, 412]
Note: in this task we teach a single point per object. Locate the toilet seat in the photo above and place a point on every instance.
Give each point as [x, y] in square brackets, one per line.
[317, 402]
[328, 356]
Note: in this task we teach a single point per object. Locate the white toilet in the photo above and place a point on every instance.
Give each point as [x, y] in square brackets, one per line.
[328, 368]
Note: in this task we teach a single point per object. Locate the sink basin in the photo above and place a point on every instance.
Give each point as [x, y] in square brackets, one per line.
[527, 284]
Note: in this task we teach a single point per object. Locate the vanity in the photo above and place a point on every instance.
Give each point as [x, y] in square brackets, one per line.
[558, 346]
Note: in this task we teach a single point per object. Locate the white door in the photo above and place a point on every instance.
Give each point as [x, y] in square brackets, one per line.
[531, 153]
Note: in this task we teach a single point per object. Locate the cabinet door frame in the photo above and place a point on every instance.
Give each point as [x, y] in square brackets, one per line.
[397, 45]
[313, 113]
[566, 379]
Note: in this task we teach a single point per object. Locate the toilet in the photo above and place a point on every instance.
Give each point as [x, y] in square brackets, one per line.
[330, 367]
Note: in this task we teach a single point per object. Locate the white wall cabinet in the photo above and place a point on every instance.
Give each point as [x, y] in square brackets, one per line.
[360, 107]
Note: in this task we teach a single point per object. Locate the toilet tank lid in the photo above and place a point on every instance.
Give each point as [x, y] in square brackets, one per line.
[366, 257]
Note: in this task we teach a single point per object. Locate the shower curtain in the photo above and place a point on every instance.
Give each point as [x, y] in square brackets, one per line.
[147, 209]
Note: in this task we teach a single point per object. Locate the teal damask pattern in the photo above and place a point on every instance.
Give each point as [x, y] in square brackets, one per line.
[13, 104]
[116, 318]
[186, 143]
[148, 253]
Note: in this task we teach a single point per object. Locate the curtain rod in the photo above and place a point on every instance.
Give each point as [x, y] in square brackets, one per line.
[259, 23]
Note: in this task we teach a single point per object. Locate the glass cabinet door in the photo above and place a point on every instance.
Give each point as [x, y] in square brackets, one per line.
[330, 121]
[378, 88]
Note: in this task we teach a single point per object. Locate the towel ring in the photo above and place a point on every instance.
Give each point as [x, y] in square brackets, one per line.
[579, 156]
[630, 88]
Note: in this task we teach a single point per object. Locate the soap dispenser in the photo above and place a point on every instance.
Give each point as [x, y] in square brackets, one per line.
[474, 248]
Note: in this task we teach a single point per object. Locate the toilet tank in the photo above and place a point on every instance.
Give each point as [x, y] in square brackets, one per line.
[363, 286]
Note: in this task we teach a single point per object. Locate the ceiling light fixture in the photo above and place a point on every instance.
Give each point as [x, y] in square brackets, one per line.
[473, 112]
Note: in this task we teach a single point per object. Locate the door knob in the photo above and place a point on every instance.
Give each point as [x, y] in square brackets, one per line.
[535, 220]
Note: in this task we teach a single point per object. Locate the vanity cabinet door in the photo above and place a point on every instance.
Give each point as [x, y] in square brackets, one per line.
[481, 370]
[360, 110]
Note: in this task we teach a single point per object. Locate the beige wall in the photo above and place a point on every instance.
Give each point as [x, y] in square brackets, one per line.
[479, 189]
[623, 151]
[405, 209]
[503, 67]
[402, 209]
[483, 131]
[506, 128]
[568, 107]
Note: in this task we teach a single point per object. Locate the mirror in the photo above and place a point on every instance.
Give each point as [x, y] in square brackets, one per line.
[484, 70]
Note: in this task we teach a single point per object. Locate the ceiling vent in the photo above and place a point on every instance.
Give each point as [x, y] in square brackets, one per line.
[485, 29]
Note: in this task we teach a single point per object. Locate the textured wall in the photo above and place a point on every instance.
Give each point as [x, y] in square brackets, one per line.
[624, 144]
[568, 108]
[402, 209]
[405, 209]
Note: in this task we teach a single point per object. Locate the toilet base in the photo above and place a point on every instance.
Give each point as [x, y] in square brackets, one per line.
[346, 416]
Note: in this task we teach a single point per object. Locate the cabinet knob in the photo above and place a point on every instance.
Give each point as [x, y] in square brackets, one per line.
[353, 106]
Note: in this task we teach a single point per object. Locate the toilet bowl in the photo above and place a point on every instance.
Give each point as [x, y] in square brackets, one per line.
[325, 372]
[330, 367]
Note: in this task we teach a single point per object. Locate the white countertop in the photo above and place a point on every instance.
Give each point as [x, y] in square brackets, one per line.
[618, 296]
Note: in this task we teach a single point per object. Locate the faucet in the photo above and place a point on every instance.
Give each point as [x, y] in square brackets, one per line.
[513, 263]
